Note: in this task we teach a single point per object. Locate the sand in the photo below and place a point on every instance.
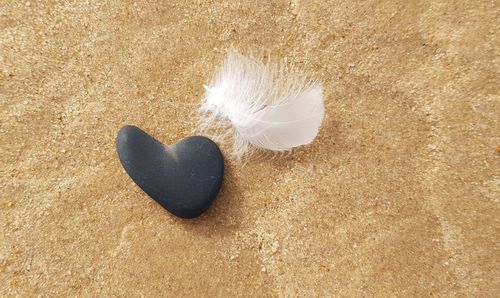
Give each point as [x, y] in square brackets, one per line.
[398, 195]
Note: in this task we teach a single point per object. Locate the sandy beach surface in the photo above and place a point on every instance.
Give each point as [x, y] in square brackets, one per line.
[398, 195]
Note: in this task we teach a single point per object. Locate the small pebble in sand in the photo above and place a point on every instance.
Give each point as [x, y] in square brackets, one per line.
[183, 178]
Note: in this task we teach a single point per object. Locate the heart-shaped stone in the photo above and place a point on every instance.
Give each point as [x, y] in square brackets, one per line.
[184, 178]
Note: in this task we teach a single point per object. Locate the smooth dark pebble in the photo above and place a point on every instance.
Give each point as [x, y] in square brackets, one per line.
[184, 178]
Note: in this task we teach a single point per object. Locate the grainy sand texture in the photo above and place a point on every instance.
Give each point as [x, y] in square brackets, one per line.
[398, 195]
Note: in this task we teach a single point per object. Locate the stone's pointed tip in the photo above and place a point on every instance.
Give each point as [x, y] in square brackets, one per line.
[186, 183]
[124, 133]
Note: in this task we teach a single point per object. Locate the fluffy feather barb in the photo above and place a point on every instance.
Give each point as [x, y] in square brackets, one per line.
[261, 105]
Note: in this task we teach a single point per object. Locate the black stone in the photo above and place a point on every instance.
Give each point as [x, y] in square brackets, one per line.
[184, 178]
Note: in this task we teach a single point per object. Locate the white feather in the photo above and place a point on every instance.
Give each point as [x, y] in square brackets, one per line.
[261, 105]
